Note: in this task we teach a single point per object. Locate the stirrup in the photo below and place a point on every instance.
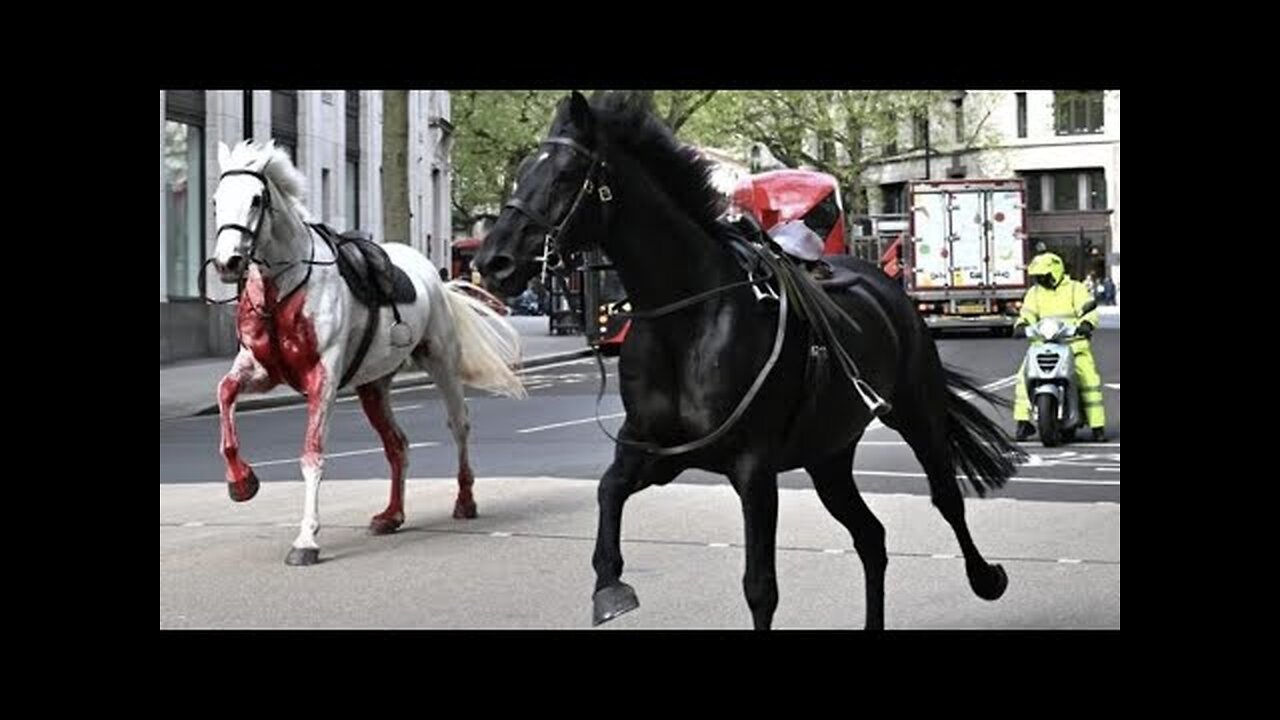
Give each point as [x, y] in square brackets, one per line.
[767, 294]
[878, 406]
[400, 335]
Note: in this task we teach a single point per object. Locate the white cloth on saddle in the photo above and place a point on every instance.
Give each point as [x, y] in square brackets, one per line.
[798, 240]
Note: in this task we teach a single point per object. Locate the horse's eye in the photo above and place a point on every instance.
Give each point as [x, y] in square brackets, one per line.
[257, 200]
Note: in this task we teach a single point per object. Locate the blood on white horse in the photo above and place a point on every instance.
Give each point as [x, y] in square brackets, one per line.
[300, 325]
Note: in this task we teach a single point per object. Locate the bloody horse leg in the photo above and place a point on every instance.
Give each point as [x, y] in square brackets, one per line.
[375, 397]
[247, 375]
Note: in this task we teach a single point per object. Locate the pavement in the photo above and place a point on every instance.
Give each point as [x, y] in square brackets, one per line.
[525, 563]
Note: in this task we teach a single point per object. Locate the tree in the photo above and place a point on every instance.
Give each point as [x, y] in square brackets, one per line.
[497, 129]
[844, 132]
[395, 165]
[494, 131]
[834, 131]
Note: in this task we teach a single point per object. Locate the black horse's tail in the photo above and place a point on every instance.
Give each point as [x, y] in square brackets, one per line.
[986, 454]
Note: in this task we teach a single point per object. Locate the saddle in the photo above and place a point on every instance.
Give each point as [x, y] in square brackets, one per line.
[374, 281]
[369, 272]
[814, 307]
[830, 277]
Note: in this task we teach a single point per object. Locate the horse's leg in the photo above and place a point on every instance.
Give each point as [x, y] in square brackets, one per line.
[444, 371]
[248, 376]
[836, 488]
[926, 431]
[375, 397]
[630, 472]
[321, 384]
[757, 487]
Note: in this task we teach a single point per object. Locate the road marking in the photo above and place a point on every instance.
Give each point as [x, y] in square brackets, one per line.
[347, 453]
[193, 523]
[1115, 386]
[567, 423]
[717, 545]
[833, 551]
[1034, 481]
[1069, 561]
[874, 425]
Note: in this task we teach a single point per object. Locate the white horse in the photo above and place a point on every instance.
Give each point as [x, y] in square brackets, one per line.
[300, 324]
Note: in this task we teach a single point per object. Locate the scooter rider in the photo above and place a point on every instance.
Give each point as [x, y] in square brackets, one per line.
[1055, 295]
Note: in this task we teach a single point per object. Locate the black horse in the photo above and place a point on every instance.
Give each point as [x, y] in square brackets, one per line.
[610, 174]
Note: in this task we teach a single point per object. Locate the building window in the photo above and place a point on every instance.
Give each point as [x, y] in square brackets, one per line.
[1063, 190]
[184, 190]
[1078, 112]
[826, 148]
[1097, 189]
[184, 214]
[324, 195]
[891, 136]
[893, 198]
[351, 191]
[920, 128]
[284, 121]
[1022, 114]
[1035, 201]
[1066, 191]
[248, 115]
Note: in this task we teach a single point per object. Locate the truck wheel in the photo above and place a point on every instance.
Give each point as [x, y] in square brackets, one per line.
[1047, 420]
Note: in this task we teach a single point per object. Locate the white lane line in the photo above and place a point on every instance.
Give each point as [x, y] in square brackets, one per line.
[1115, 386]
[396, 391]
[1023, 444]
[567, 423]
[1035, 481]
[875, 424]
[348, 453]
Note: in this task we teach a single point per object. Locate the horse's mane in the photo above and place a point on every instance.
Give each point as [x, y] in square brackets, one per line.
[626, 121]
[289, 181]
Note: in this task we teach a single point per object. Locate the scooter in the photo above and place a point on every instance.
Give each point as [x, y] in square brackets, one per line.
[1050, 376]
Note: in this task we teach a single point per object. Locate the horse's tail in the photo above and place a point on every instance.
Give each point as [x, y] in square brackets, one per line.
[986, 454]
[490, 345]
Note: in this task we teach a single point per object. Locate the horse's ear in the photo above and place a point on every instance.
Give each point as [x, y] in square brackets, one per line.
[580, 113]
[224, 156]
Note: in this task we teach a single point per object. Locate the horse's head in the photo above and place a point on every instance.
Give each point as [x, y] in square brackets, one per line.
[555, 210]
[244, 202]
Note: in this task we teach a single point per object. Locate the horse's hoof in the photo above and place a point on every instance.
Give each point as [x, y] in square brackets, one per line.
[990, 583]
[385, 525]
[608, 603]
[464, 510]
[244, 490]
[302, 556]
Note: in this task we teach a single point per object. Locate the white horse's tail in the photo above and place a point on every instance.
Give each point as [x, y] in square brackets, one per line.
[490, 345]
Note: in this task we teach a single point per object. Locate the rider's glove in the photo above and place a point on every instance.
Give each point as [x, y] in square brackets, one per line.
[1085, 328]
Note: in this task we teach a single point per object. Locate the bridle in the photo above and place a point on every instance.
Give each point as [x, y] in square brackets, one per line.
[595, 184]
[255, 235]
